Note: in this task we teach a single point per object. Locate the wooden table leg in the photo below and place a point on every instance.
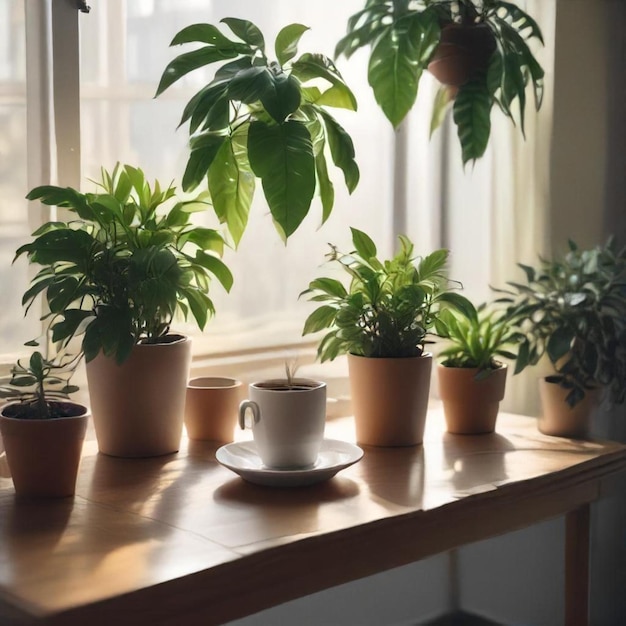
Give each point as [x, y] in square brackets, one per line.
[577, 567]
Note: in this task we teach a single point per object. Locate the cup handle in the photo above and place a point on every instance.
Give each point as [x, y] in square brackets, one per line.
[243, 407]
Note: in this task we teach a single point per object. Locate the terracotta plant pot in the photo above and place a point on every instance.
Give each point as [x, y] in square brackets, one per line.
[43, 455]
[138, 406]
[463, 51]
[470, 406]
[390, 399]
[560, 419]
[211, 408]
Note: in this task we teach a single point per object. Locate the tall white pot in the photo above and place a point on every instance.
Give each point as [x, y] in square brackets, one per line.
[138, 406]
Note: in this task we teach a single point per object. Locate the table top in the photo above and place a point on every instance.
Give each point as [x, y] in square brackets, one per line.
[182, 538]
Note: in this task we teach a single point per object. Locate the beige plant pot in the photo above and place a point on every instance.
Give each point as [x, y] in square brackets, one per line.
[470, 406]
[211, 408]
[138, 406]
[43, 455]
[560, 419]
[390, 399]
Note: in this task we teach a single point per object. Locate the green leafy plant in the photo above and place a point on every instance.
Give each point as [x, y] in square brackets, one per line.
[477, 341]
[572, 309]
[119, 272]
[389, 307]
[41, 388]
[262, 118]
[490, 39]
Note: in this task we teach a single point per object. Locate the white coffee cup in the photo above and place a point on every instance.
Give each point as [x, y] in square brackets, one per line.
[287, 421]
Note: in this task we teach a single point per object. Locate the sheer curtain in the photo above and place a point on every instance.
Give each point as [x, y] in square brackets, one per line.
[494, 213]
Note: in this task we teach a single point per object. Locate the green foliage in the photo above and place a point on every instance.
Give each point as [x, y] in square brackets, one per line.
[389, 307]
[477, 341]
[403, 37]
[39, 385]
[573, 310]
[261, 118]
[118, 274]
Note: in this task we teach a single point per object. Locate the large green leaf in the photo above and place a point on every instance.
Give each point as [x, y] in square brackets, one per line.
[246, 31]
[73, 246]
[200, 104]
[394, 69]
[189, 61]
[329, 286]
[250, 85]
[322, 317]
[217, 267]
[521, 20]
[283, 96]
[231, 185]
[472, 109]
[63, 197]
[341, 149]
[286, 44]
[326, 188]
[282, 157]
[203, 33]
[363, 244]
[312, 66]
[204, 148]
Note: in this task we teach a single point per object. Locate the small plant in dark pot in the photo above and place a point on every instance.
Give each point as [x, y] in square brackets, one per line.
[42, 428]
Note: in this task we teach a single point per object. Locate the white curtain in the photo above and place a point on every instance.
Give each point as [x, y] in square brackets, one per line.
[494, 213]
[519, 203]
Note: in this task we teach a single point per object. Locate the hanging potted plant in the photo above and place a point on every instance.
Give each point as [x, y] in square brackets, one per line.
[572, 311]
[477, 49]
[116, 276]
[472, 380]
[382, 321]
[42, 428]
[262, 118]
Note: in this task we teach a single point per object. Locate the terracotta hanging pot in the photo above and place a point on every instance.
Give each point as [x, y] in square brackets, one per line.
[138, 406]
[558, 418]
[390, 399]
[470, 406]
[463, 51]
[43, 455]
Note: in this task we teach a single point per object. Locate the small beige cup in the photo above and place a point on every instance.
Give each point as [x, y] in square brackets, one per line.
[211, 408]
[287, 423]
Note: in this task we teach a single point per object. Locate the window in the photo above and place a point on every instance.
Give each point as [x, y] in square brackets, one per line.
[409, 184]
[14, 216]
[122, 122]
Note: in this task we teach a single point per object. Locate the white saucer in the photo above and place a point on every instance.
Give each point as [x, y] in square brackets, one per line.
[243, 459]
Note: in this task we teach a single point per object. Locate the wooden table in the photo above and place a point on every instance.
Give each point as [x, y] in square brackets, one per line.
[180, 539]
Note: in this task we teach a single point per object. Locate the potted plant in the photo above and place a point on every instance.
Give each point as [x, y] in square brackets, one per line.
[262, 118]
[42, 429]
[382, 321]
[477, 49]
[572, 310]
[471, 377]
[116, 275]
